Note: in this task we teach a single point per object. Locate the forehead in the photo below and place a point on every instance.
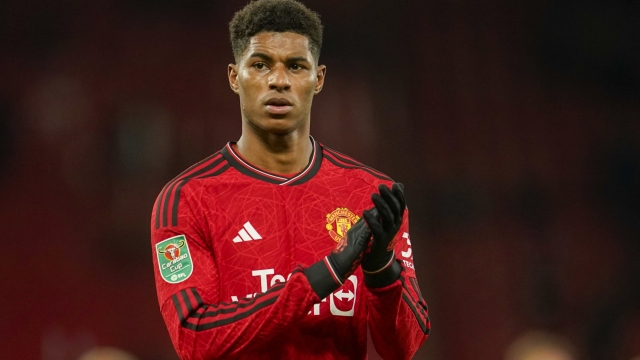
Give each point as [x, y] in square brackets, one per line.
[280, 44]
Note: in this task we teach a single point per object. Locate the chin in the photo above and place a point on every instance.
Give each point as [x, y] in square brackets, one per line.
[280, 129]
[279, 125]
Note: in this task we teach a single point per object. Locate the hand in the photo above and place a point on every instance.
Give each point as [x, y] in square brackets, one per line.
[328, 274]
[384, 220]
[346, 257]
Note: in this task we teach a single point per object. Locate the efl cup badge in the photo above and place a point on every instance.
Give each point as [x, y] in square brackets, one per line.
[174, 260]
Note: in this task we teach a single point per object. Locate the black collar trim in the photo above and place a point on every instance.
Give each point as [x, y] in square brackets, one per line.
[235, 160]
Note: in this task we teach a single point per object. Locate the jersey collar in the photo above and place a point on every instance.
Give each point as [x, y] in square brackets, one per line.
[240, 164]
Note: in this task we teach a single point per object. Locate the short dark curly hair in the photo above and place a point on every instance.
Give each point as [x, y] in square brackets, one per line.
[276, 16]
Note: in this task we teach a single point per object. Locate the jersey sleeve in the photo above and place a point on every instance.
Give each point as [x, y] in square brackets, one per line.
[398, 316]
[199, 324]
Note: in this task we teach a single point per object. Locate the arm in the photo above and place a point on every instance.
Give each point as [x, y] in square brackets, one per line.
[398, 316]
[203, 327]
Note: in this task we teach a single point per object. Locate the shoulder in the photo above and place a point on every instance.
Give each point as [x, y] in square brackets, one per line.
[186, 184]
[350, 167]
[209, 168]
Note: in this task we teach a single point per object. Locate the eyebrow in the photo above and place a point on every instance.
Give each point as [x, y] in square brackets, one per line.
[266, 57]
[263, 56]
[298, 59]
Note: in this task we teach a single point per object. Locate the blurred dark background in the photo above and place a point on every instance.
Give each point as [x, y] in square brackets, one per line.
[513, 124]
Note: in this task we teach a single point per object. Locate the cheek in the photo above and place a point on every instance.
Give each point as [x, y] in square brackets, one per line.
[248, 90]
[309, 88]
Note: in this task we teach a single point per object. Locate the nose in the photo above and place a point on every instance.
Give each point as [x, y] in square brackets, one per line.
[279, 79]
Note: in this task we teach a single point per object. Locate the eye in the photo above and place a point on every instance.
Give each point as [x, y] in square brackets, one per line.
[260, 65]
[295, 67]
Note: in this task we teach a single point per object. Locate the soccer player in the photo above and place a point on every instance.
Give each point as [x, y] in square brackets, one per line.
[276, 246]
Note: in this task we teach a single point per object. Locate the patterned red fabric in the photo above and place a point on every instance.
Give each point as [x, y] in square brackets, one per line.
[250, 234]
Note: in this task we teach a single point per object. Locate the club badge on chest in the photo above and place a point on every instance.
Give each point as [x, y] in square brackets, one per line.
[339, 221]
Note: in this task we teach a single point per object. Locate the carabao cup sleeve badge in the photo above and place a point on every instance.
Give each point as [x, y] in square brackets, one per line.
[174, 259]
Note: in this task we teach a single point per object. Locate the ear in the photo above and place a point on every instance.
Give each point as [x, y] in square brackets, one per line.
[320, 75]
[232, 73]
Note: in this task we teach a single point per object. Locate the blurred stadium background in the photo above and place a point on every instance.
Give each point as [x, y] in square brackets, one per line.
[514, 125]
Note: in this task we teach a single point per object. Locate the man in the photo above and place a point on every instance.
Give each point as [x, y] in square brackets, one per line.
[260, 251]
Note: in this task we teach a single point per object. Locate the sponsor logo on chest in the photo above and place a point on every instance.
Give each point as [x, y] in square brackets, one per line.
[342, 302]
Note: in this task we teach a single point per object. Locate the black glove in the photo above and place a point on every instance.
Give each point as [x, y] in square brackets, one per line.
[379, 265]
[328, 274]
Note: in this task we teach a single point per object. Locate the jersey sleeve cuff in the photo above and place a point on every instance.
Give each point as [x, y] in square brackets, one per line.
[383, 278]
[321, 279]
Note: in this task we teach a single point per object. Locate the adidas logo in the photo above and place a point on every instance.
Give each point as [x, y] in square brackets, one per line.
[248, 233]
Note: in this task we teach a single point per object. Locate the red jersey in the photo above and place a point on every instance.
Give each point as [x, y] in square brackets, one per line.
[230, 244]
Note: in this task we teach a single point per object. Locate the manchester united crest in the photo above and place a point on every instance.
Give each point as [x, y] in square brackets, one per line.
[339, 221]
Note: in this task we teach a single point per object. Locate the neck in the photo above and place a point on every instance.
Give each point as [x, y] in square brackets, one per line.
[276, 153]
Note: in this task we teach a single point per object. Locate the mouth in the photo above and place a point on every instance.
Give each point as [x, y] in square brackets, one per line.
[278, 106]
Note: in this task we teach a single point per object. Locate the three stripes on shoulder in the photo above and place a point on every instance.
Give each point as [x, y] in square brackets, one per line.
[247, 233]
